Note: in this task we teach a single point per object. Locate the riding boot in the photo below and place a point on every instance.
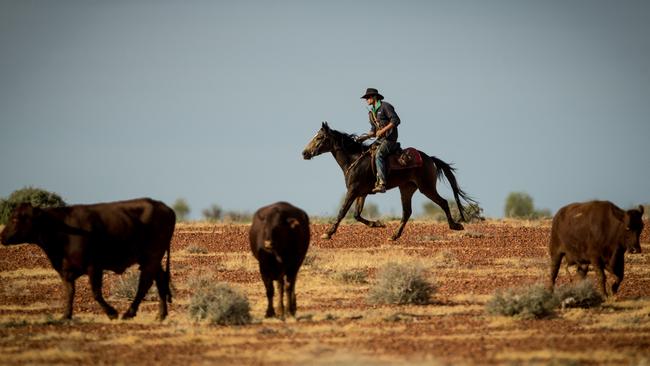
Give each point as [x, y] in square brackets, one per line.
[380, 187]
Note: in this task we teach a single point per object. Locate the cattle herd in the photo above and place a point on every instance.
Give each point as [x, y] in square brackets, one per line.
[89, 239]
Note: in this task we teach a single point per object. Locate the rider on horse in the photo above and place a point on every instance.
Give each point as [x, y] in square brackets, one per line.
[383, 122]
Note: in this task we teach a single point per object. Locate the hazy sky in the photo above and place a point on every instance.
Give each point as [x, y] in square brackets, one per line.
[214, 101]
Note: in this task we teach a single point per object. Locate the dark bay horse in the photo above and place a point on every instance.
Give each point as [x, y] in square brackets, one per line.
[355, 162]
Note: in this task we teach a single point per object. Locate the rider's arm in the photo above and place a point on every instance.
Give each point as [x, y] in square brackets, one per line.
[385, 130]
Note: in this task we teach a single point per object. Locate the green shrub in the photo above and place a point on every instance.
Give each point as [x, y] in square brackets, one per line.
[218, 303]
[36, 196]
[181, 209]
[213, 213]
[519, 205]
[533, 302]
[353, 276]
[401, 284]
[581, 294]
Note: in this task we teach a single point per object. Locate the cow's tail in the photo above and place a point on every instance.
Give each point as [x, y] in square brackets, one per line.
[168, 277]
[448, 171]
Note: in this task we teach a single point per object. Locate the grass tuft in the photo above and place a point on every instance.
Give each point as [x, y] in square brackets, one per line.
[533, 302]
[196, 249]
[352, 276]
[127, 286]
[581, 294]
[218, 303]
[401, 284]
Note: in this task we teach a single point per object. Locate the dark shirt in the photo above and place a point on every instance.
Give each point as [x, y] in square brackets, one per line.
[385, 115]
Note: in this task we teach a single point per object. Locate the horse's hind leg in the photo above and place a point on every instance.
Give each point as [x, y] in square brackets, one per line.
[358, 209]
[406, 193]
[433, 195]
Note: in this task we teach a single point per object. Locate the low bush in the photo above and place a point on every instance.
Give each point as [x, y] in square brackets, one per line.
[401, 284]
[196, 249]
[127, 286]
[581, 294]
[37, 197]
[218, 303]
[533, 302]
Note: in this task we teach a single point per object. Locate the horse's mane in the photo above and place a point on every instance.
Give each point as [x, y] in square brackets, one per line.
[348, 142]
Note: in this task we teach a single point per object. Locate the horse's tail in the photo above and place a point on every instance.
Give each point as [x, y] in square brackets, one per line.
[448, 171]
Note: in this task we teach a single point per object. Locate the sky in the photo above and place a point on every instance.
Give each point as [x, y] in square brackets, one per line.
[213, 101]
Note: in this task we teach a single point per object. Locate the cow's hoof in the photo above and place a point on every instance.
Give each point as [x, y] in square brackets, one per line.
[456, 226]
[112, 314]
[326, 236]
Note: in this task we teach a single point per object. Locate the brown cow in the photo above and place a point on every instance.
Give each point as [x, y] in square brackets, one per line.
[88, 239]
[279, 238]
[596, 233]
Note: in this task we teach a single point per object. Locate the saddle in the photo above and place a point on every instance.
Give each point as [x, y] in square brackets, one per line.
[400, 159]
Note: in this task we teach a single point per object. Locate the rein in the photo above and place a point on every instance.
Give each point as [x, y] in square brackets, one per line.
[354, 163]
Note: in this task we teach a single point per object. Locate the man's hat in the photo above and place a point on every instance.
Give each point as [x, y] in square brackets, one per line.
[372, 92]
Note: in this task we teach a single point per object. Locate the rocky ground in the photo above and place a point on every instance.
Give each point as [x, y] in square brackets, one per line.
[335, 324]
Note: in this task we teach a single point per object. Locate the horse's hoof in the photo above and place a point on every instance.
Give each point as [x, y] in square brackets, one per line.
[129, 314]
[456, 226]
[326, 236]
[378, 224]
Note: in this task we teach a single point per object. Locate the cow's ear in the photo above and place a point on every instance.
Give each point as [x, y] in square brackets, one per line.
[626, 220]
[293, 222]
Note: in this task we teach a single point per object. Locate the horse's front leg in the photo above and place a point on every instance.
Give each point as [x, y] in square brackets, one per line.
[358, 209]
[349, 198]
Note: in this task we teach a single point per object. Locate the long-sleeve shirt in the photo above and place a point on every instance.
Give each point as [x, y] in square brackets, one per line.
[380, 118]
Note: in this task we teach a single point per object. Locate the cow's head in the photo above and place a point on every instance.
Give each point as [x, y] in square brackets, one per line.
[633, 228]
[321, 143]
[278, 227]
[20, 228]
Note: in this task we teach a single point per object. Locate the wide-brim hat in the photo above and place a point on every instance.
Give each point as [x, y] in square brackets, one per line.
[372, 92]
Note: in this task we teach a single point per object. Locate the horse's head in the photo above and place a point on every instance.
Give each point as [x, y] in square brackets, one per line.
[321, 143]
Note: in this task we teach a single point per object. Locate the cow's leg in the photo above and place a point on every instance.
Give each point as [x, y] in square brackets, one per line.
[556, 260]
[281, 296]
[600, 276]
[95, 277]
[146, 280]
[268, 284]
[358, 209]
[617, 266]
[406, 193]
[291, 294]
[68, 289]
[347, 202]
[162, 284]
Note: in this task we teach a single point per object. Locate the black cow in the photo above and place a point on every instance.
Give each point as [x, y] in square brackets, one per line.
[88, 239]
[597, 233]
[279, 238]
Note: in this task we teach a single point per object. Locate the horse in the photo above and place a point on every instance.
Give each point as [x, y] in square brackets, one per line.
[355, 160]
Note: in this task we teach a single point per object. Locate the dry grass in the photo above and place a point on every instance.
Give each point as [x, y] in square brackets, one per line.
[334, 324]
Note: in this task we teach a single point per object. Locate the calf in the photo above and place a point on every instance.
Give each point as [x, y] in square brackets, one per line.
[88, 239]
[279, 238]
[596, 233]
